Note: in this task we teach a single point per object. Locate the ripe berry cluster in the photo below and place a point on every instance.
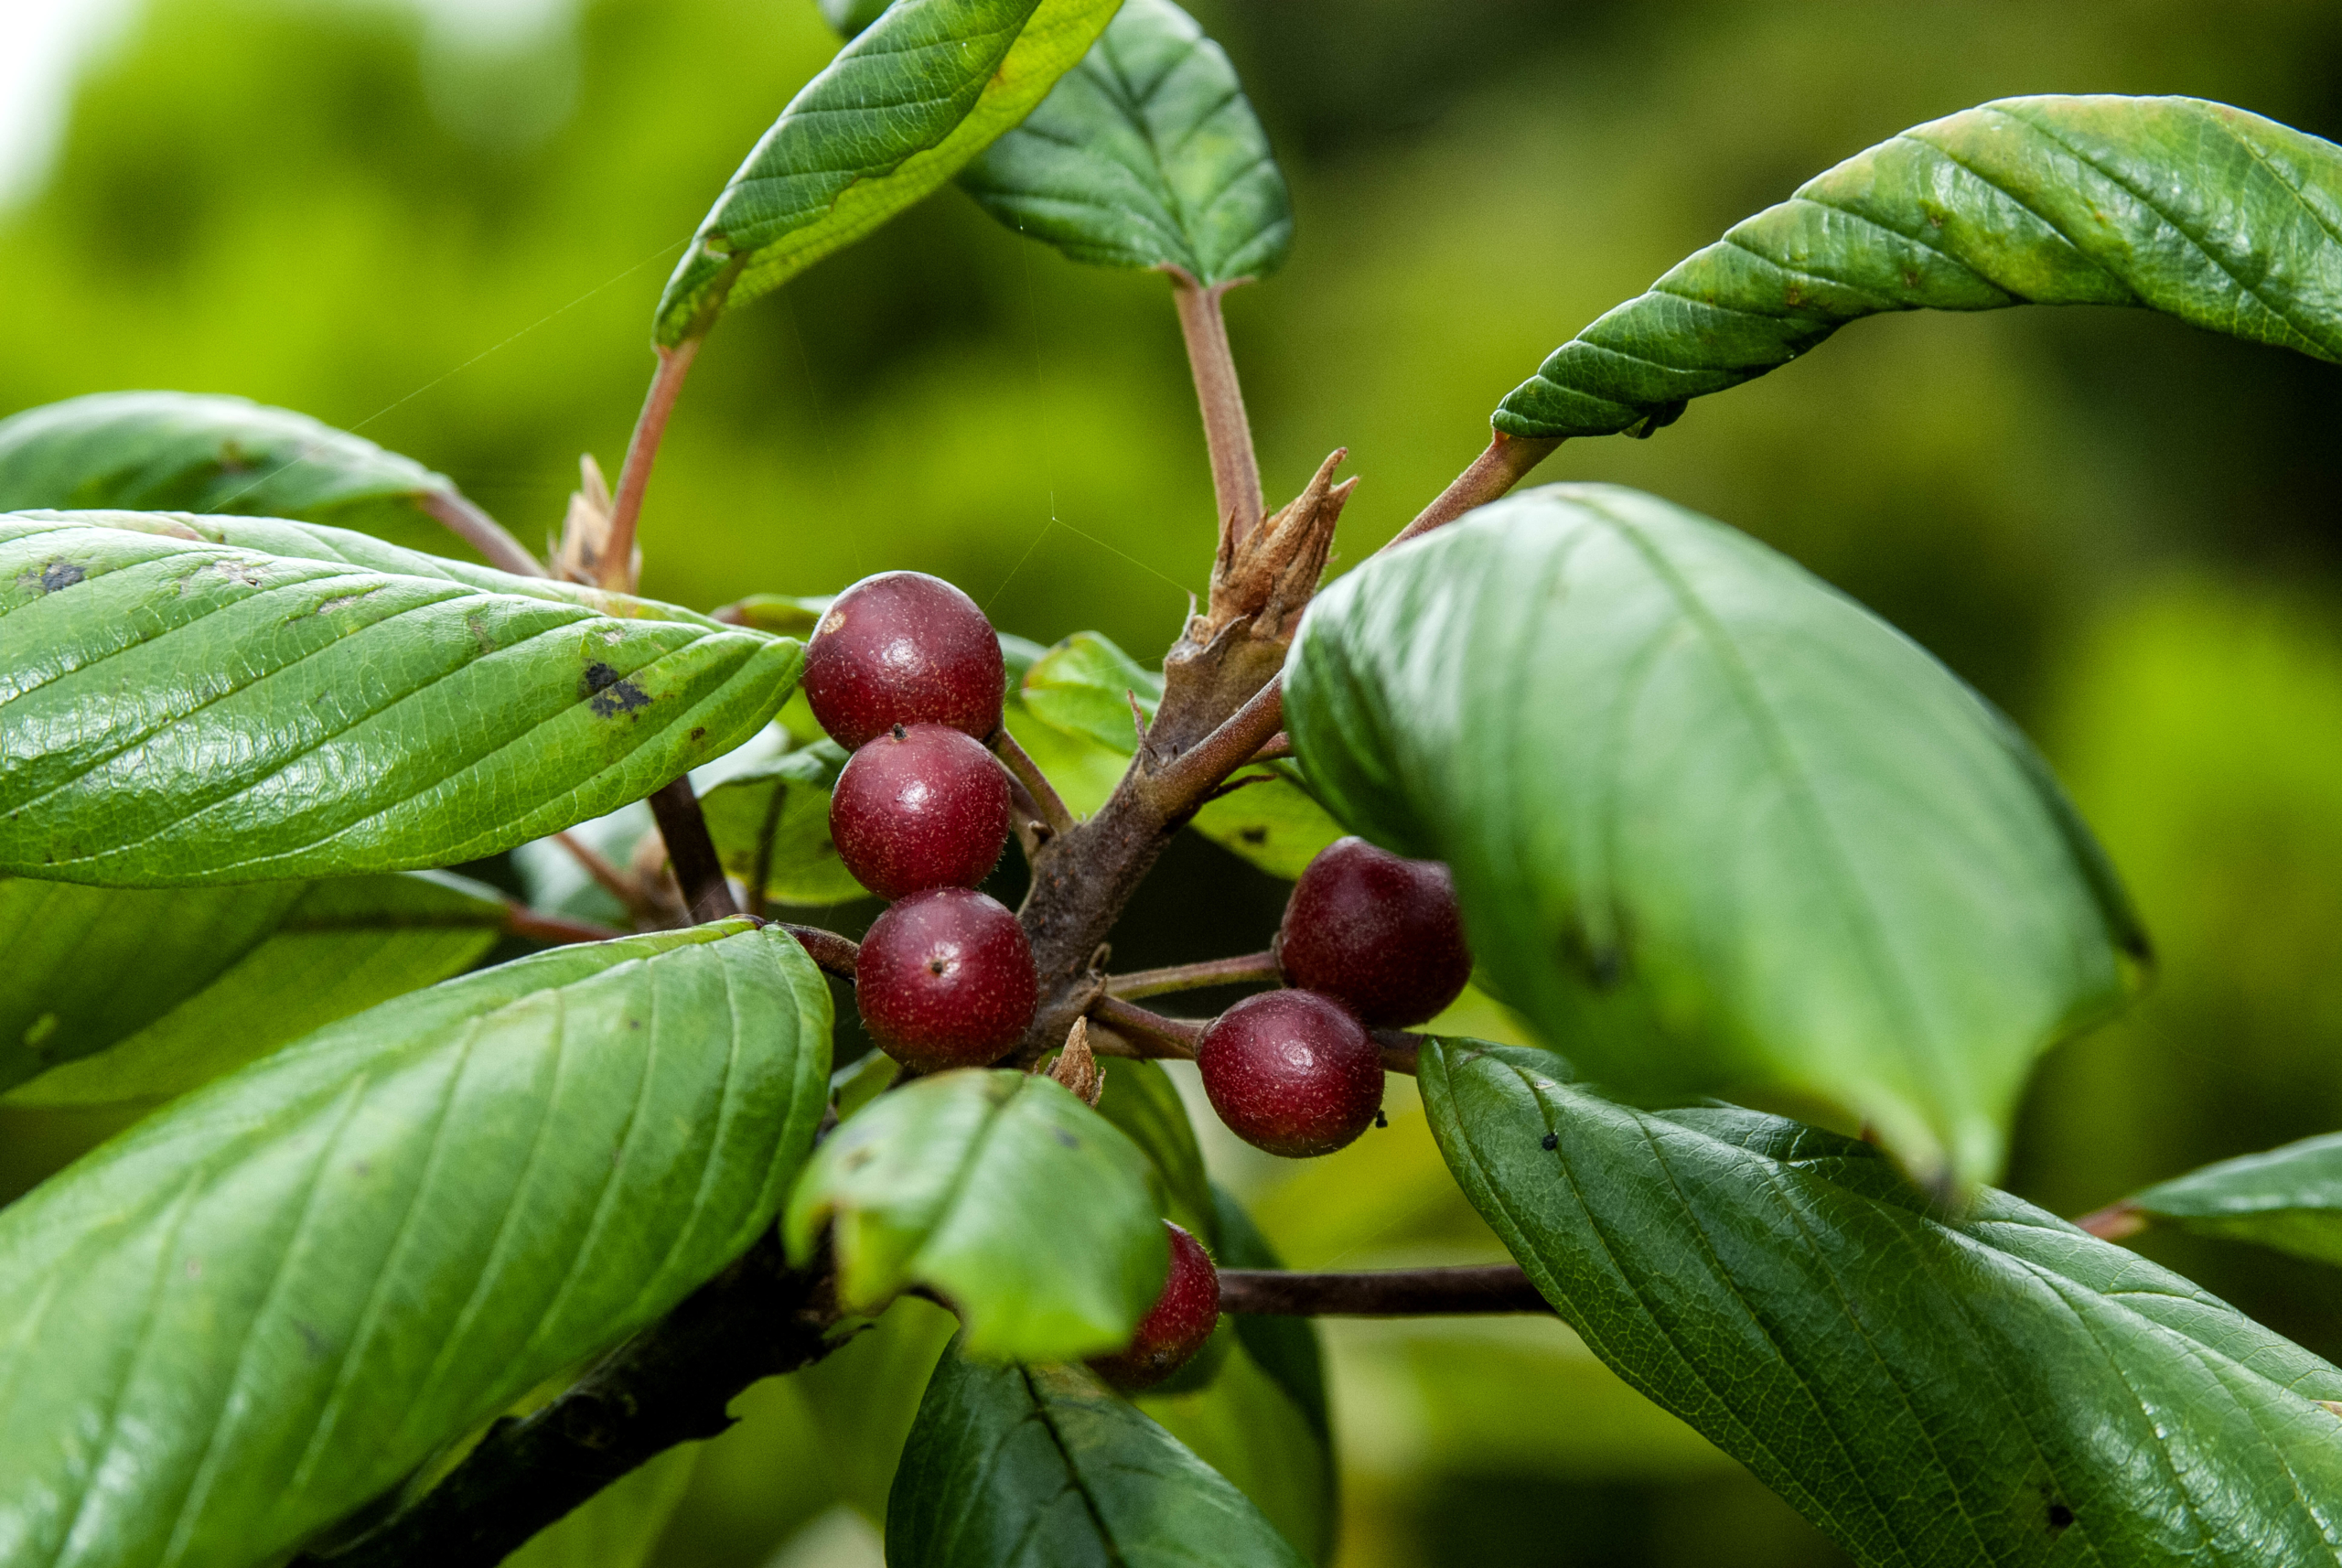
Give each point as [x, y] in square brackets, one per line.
[1368, 941]
[906, 672]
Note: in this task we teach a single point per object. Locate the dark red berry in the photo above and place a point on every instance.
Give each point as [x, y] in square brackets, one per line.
[903, 647]
[1378, 933]
[923, 806]
[1176, 1327]
[1292, 1072]
[945, 979]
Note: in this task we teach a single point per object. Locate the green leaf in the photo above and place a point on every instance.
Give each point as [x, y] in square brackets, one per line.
[1140, 1098]
[1145, 155]
[1002, 1193]
[1714, 826]
[2289, 1199]
[787, 614]
[772, 825]
[135, 998]
[247, 700]
[1998, 1389]
[1042, 1468]
[2224, 219]
[1263, 1421]
[1071, 710]
[267, 1302]
[162, 451]
[899, 110]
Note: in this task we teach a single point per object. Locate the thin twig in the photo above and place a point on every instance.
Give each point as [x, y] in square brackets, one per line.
[617, 564]
[638, 900]
[1504, 465]
[482, 532]
[833, 952]
[1235, 474]
[1249, 969]
[1044, 802]
[1177, 1036]
[1394, 1292]
[536, 926]
[1221, 791]
[699, 871]
[1279, 745]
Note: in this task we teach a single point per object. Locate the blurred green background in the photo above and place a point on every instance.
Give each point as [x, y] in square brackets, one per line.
[2123, 532]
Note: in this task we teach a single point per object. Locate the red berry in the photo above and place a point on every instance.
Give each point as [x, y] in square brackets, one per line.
[1291, 1072]
[923, 806]
[1176, 1327]
[945, 979]
[903, 647]
[1379, 934]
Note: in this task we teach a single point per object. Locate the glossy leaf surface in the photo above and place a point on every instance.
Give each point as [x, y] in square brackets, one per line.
[114, 995]
[1145, 155]
[2001, 1388]
[237, 700]
[1043, 1468]
[1002, 1193]
[1072, 709]
[771, 826]
[163, 451]
[1714, 826]
[2226, 220]
[901, 109]
[2289, 1199]
[268, 1302]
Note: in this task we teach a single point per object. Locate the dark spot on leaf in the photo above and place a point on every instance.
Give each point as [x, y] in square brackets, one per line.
[1067, 1139]
[60, 575]
[1550, 1142]
[700, 734]
[1254, 834]
[634, 1022]
[477, 623]
[1381, 1121]
[1911, 278]
[611, 693]
[2060, 1516]
[319, 1347]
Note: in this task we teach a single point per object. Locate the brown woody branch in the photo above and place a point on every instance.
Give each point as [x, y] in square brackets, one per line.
[672, 1383]
[699, 871]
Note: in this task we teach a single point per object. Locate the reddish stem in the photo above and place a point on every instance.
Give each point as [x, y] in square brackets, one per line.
[1394, 1292]
[617, 563]
[1250, 968]
[1228, 433]
[1504, 465]
[482, 532]
[699, 871]
[536, 926]
[833, 952]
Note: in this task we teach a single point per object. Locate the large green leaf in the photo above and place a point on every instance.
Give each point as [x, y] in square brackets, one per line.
[338, 948]
[1001, 1193]
[1072, 709]
[162, 451]
[1042, 1468]
[270, 1300]
[1145, 155]
[2222, 218]
[899, 110]
[205, 700]
[2289, 1199]
[1713, 825]
[1995, 1390]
